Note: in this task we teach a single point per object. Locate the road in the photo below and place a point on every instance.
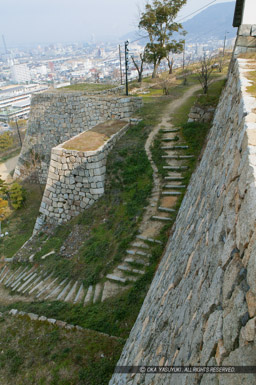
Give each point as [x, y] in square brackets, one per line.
[7, 167]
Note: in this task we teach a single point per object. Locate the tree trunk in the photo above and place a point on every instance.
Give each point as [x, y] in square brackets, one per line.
[156, 65]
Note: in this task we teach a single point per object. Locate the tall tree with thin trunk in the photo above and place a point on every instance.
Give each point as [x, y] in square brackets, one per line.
[139, 66]
[158, 21]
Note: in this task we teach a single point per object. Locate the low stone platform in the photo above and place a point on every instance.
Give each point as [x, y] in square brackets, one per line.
[77, 173]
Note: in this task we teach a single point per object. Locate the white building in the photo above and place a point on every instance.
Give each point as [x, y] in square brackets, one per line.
[20, 73]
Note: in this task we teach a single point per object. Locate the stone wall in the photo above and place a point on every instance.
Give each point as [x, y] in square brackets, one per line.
[56, 117]
[199, 114]
[201, 306]
[75, 181]
[246, 39]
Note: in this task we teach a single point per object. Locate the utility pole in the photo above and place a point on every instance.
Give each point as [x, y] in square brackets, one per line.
[126, 66]
[17, 126]
[223, 51]
[120, 58]
[184, 48]
[224, 45]
[4, 42]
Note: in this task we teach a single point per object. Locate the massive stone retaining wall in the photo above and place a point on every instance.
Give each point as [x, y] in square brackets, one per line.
[55, 117]
[201, 306]
[75, 181]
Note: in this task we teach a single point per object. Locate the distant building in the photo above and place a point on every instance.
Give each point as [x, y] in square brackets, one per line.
[20, 73]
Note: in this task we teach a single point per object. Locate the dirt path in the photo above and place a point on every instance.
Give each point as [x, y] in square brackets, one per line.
[7, 167]
[148, 227]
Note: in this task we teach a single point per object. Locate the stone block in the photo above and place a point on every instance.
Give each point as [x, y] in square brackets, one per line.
[245, 30]
[33, 316]
[253, 30]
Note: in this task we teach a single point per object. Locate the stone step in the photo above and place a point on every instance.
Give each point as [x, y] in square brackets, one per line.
[140, 245]
[169, 140]
[174, 178]
[151, 240]
[177, 157]
[176, 168]
[2, 271]
[63, 292]
[55, 289]
[46, 287]
[71, 293]
[41, 283]
[15, 280]
[171, 193]
[32, 283]
[175, 186]
[180, 147]
[138, 261]
[170, 130]
[137, 252]
[34, 275]
[89, 295]
[129, 269]
[97, 292]
[163, 219]
[24, 277]
[18, 273]
[7, 271]
[79, 294]
[115, 278]
[12, 277]
[166, 209]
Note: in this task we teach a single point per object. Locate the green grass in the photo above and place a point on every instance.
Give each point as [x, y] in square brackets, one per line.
[34, 352]
[114, 316]
[111, 223]
[21, 222]
[87, 87]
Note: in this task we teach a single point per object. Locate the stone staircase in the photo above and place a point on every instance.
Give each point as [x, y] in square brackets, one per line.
[42, 285]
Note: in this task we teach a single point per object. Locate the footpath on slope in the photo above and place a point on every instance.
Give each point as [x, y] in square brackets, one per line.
[7, 167]
[37, 284]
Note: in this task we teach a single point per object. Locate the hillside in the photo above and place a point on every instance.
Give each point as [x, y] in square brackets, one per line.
[209, 24]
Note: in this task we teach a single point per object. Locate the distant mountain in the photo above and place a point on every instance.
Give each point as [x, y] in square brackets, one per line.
[210, 24]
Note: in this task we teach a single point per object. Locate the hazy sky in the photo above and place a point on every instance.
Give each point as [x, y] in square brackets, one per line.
[44, 21]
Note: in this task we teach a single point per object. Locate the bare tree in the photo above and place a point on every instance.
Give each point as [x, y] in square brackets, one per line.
[139, 66]
[205, 73]
[166, 81]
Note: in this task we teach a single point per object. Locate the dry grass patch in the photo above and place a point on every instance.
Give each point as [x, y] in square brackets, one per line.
[92, 139]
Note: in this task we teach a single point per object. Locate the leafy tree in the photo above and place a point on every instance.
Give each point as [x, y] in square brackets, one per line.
[6, 141]
[158, 22]
[16, 194]
[3, 210]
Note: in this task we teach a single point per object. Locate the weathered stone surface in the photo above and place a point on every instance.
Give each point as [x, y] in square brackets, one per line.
[56, 117]
[200, 307]
[244, 356]
[66, 196]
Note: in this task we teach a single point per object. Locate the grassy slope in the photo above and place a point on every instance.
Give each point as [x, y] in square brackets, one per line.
[34, 352]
